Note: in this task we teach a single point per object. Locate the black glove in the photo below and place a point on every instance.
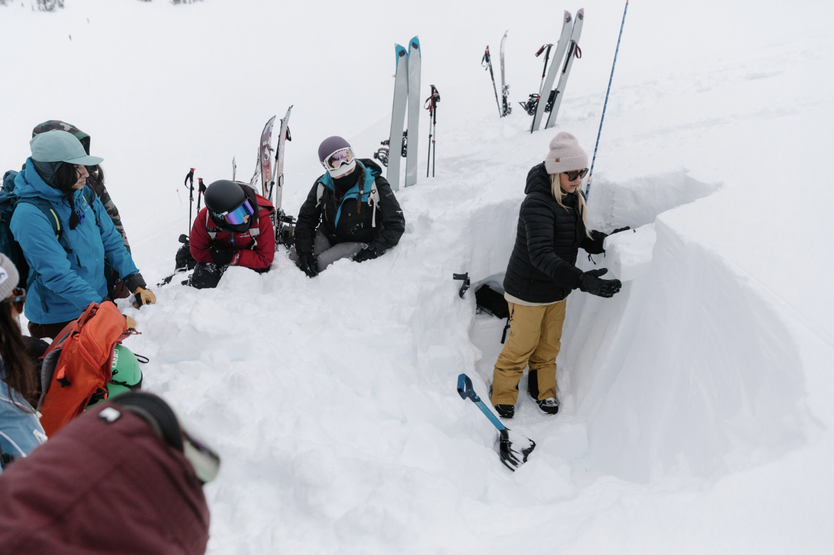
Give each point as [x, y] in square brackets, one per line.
[368, 253]
[222, 256]
[619, 230]
[589, 282]
[308, 264]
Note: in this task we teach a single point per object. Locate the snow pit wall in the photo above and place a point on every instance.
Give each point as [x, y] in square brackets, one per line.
[680, 372]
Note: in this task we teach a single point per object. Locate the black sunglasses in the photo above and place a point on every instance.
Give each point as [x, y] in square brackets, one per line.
[578, 173]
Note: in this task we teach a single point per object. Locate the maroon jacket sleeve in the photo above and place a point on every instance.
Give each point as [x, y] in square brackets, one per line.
[261, 256]
[101, 486]
[199, 240]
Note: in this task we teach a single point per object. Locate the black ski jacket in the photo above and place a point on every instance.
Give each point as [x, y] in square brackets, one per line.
[542, 266]
[349, 220]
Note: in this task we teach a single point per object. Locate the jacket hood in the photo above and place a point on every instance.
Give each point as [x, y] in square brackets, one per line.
[538, 180]
[56, 124]
[28, 183]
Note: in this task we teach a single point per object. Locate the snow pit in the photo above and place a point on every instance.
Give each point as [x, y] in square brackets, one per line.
[668, 348]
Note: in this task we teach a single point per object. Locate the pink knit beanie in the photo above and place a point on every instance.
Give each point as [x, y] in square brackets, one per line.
[565, 155]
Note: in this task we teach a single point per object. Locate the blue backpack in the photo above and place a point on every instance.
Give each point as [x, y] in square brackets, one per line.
[8, 244]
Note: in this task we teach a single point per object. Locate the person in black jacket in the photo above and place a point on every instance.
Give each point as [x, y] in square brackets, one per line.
[552, 226]
[351, 211]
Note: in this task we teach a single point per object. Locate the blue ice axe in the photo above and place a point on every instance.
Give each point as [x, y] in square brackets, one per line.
[513, 448]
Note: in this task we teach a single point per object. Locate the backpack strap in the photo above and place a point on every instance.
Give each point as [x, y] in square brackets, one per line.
[46, 207]
[373, 199]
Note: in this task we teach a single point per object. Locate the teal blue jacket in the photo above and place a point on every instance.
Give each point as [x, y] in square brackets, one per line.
[67, 275]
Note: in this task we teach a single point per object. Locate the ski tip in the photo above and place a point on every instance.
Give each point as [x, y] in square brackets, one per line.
[415, 42]
[567, 16]
[580, 14]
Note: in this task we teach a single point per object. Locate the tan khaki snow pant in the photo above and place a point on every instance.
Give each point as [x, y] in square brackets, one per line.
[535, 339]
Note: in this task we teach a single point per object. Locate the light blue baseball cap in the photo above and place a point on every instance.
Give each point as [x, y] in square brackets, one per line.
[60, 146]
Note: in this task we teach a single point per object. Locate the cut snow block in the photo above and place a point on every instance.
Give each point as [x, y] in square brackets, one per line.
[639, 201]
[628, 254]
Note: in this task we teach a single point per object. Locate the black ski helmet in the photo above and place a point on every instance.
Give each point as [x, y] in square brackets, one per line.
[224, 196]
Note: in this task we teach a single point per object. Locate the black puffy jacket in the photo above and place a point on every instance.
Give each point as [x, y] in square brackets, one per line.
[345, 221]
[542, 266]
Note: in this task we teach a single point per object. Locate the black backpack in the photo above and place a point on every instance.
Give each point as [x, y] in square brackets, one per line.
[8, 245]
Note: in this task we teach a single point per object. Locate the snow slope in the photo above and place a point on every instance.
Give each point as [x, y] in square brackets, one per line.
[697, 414]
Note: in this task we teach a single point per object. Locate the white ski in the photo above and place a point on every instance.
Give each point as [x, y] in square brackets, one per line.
[414, 62]
[563, 80]
[505, 88]
[395, 138]
[277, 185]
[265, 156]
[555, 65]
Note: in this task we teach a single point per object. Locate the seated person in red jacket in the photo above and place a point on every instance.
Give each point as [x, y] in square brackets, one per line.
[234, 229]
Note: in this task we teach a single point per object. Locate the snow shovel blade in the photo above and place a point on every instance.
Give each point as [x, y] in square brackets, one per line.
[513, 448]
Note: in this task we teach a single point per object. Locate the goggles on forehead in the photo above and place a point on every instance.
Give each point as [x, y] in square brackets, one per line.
[342, 157]
[235, 217]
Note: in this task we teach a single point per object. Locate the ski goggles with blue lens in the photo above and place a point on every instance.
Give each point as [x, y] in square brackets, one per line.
[235, 217]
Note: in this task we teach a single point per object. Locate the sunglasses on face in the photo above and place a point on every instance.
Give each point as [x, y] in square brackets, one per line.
[574, 175]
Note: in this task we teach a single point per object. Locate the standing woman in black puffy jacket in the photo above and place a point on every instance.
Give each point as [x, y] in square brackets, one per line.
[552, 226]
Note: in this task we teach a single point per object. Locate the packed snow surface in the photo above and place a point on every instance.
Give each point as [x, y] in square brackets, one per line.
[697, 410]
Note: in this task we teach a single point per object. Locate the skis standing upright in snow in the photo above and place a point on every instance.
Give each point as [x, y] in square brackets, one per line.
[397, 116]
[277, 185]
[265, 157]
[284, 224]
[505, 88]
[573, 52]
[561, 47]
[414, 63]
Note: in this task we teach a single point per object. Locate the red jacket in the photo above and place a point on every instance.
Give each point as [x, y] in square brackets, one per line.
[101, 488]
[253, 252]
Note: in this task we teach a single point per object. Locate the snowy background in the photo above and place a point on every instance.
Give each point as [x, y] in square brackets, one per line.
[697, 404]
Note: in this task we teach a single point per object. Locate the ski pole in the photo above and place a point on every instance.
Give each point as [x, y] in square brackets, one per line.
[431, 106]
[486, 61]
[201, 188]
[190, 177]
[546, 58]
[605, 105]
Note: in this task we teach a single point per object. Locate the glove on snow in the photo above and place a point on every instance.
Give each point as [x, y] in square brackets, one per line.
[368, 253]
[143, 296]
[222, 256]
[589, 282]
[307, 263]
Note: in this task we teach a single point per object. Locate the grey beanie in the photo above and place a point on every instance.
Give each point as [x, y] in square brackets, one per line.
[565, 155]
[8, 276]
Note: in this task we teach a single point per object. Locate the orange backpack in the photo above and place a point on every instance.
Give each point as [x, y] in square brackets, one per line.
[77, 366]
